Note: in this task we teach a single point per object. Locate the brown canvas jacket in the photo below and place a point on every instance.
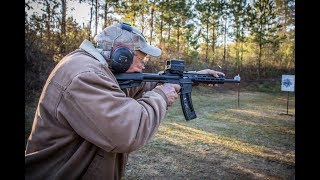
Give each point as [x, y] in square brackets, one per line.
[86, 125]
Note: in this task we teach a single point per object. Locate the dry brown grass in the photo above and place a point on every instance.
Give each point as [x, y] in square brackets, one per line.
[253, 141]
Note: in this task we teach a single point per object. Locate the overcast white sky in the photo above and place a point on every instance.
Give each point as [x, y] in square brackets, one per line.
[80, 12]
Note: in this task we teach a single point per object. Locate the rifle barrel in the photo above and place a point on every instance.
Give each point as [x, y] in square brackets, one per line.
[231, 81]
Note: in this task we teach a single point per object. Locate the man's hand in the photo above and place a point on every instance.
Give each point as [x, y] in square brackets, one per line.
[212, 72]
[171, 91]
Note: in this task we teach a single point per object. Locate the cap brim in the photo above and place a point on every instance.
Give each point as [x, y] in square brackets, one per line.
[151, 50]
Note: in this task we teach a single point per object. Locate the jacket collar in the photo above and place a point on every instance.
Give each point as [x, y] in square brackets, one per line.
[89, 48]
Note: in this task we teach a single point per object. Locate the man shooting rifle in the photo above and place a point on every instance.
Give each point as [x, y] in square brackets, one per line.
[87, 122]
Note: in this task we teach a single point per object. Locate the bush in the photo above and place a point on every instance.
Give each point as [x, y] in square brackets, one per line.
[38, 65]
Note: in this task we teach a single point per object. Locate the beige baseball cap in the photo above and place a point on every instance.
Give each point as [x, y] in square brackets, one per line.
[123, 34]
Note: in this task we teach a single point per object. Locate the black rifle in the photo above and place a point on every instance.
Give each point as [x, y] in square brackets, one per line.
[174, 74]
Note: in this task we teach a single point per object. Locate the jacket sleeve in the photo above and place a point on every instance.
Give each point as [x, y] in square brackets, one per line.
[137, 92]
[100, 112]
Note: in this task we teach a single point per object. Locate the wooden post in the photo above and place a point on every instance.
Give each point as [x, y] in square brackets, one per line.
[238, 95]
[288, 102]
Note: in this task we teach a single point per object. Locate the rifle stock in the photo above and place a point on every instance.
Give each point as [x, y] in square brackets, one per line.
[174, 73]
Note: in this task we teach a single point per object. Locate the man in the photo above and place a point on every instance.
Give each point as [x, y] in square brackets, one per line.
[85, 125]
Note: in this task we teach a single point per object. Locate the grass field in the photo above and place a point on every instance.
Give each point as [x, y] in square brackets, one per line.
[253, 141]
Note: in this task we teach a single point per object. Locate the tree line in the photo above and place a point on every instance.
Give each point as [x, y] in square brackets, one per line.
[248, 37]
